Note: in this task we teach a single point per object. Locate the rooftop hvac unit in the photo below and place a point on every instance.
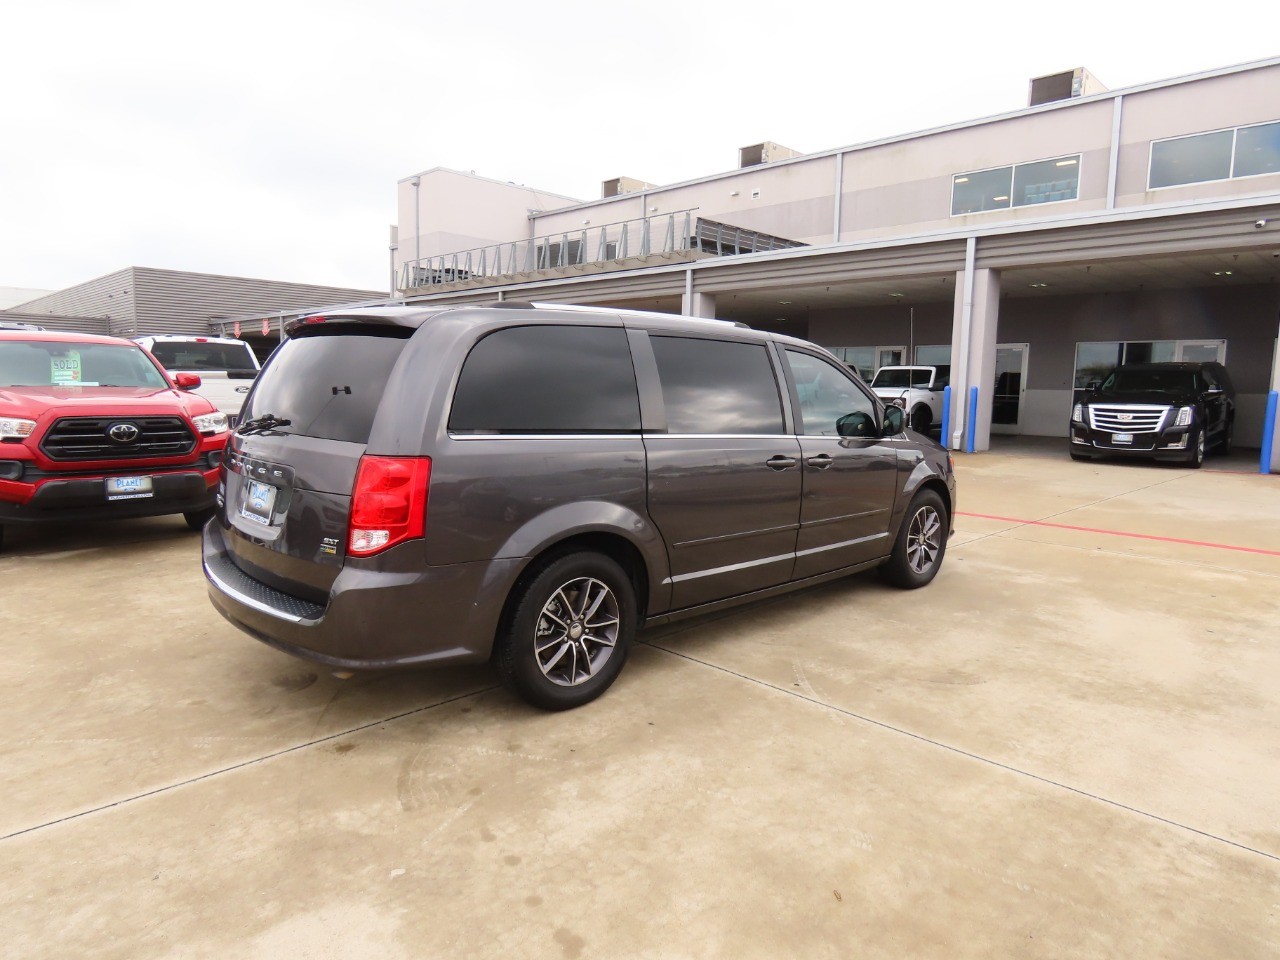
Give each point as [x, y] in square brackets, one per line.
[1063, 86]
[766, 152]
[620, 185]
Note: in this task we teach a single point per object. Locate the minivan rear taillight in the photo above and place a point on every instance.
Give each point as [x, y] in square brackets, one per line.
[388, 504]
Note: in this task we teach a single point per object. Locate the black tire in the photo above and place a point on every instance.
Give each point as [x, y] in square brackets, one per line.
[921, 420]
[920, 545]
[1078, 456]
[1195, 459]
[196, 519]
[1, 537]
[537, 654]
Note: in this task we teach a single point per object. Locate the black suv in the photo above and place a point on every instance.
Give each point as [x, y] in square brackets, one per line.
[1164, 411]
[412, 486]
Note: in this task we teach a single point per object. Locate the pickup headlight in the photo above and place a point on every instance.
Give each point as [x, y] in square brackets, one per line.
[1184, 418]
[211, 423]
[900, 402]
[1077, 413]
[13, 429]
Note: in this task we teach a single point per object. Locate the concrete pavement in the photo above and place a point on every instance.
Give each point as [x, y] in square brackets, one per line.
[1064, 747]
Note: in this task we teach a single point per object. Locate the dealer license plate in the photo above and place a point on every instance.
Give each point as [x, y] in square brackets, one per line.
[128, 488]
[259, 502]
[1122, 438]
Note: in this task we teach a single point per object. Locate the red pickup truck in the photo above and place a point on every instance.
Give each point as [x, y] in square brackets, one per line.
[92, 428]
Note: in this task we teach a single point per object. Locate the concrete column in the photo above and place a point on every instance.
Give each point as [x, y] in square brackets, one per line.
[1275, 386]
[695, 304]
[973, 355]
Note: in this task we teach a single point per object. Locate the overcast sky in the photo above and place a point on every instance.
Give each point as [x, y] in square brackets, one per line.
[265, 139]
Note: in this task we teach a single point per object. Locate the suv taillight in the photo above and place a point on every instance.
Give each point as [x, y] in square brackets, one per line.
[388, 504]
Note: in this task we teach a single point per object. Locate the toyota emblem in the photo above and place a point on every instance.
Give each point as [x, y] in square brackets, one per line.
[123, 432]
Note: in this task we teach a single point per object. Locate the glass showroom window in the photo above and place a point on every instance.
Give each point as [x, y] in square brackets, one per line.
[1220, 155]
[867, 360]
[1041, 181]
[1095, 360]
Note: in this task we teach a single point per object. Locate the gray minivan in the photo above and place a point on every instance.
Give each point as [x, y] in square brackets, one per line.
[529, 484]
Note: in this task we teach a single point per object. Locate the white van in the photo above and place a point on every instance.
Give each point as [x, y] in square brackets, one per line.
[226, 367]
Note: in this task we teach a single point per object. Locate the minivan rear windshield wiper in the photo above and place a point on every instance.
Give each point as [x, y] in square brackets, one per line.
[267, 421]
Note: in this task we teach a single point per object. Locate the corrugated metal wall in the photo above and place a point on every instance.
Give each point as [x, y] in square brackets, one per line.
[142, 300]
[108, 298]
[169, 301]
[97, 325]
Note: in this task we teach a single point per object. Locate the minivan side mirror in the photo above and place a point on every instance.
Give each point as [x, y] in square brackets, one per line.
[186, 381]
[856, 424]
[893, 417]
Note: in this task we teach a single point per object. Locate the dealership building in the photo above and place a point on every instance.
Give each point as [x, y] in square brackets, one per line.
[1031, 250]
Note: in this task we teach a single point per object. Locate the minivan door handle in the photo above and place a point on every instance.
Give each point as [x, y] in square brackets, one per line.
[780, 462]
[821, 461]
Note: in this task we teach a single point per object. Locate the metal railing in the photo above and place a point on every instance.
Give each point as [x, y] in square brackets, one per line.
[663, 233]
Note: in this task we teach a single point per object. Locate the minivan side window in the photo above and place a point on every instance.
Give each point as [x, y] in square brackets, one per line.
[827, 396]
[717, 386]
[548, 379]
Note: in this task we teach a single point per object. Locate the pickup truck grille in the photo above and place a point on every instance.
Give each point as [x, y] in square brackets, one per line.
[1127, 418]
[89, 438]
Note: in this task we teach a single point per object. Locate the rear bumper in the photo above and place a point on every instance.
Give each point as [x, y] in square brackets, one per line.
[85, 498]
[372, 619]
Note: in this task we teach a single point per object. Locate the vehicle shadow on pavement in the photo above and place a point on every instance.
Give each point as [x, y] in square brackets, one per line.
[22, 539]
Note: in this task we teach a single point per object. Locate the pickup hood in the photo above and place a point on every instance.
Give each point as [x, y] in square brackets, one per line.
[1142, 396]
[36, 403]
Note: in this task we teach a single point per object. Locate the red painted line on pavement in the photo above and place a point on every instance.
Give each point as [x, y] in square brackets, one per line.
[1122, 533]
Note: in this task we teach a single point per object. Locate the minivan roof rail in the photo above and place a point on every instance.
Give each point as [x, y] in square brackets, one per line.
[652, 314]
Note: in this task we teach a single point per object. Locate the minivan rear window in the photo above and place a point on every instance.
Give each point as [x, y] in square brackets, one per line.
[328, 386]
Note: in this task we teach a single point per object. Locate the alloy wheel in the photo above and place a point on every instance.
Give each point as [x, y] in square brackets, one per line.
[576, 631]
[924, 539]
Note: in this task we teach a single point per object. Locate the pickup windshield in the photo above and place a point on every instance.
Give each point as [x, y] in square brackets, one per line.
[36, 363]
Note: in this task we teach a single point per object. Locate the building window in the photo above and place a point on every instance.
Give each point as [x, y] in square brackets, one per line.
[865, 361]
[1257, 150]
[932, 354]
[1020, 185]
[1219, 155]
[1095, 360]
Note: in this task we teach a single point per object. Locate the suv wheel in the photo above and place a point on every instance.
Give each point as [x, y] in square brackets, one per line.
[921, 419]
[920, 545]
[1195, 460]
[569, 632]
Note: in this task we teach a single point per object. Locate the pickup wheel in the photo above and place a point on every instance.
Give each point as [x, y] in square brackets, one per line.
[921, 419]
[568, 633]
[920, 545]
